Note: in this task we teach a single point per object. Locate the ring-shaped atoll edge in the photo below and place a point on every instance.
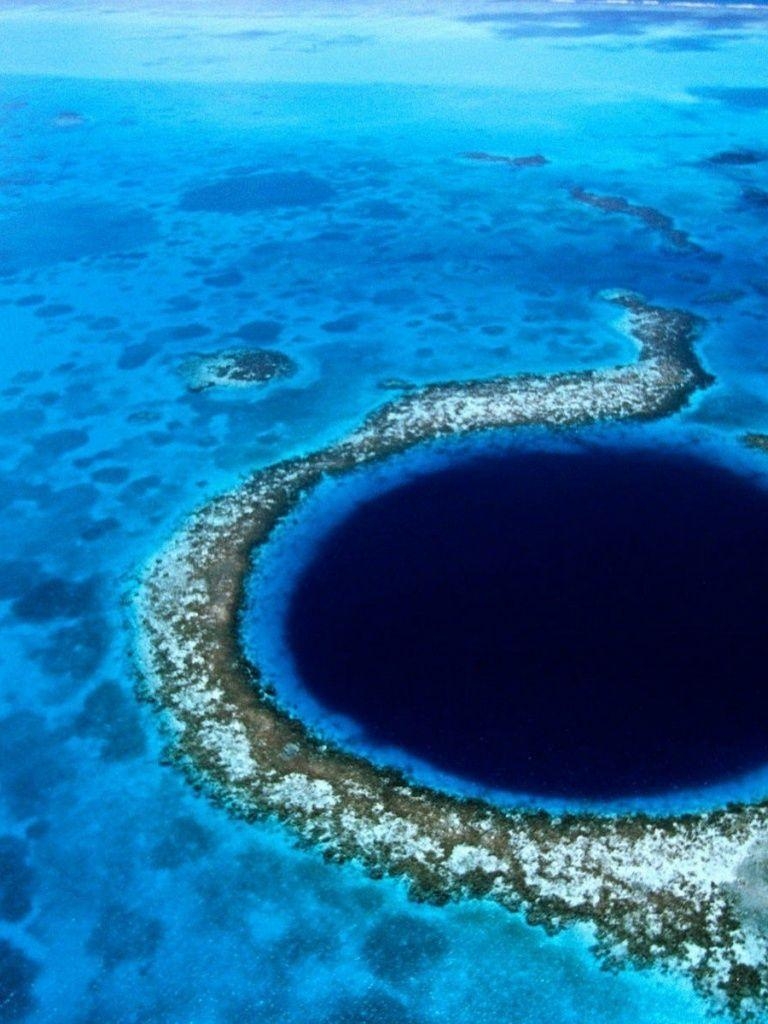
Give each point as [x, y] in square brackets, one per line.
[680, 892]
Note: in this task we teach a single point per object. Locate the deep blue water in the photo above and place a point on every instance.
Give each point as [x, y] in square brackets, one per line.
[185, 178]
[582, 625]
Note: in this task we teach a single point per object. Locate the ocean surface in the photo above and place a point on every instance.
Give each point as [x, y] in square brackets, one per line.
[182, 180]
[549, 623]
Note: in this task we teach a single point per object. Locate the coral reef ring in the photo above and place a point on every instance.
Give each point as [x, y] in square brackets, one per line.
[662, 891]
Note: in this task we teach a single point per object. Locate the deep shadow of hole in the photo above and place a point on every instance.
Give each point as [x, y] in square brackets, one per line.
[584, 625]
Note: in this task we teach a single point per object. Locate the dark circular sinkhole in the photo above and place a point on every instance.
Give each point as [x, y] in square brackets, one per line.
[578, 625]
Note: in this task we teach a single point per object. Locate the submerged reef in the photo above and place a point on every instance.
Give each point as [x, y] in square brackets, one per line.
[683, 892]
[737, 158]
[238, 368]
[755, 197]
[68, 119]
[534, 160]
[757, 441]
[652, 218]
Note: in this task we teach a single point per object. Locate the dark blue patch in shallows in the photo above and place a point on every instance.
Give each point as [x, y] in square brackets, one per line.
[241, 193]
[584, 625]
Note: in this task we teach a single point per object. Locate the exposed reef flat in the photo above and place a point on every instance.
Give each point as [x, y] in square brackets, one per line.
[654, 219]
[684, 892]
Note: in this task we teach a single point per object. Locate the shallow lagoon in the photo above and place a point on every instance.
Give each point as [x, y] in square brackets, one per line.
[118, 882]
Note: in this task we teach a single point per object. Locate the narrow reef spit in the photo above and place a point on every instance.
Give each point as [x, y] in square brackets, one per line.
[665, 891]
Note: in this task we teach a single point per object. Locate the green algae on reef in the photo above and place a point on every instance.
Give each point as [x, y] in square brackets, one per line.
[666, 891]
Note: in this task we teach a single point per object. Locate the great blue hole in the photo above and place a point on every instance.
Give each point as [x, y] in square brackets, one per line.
[586, 625]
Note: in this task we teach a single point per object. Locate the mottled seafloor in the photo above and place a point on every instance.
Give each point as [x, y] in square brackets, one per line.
[379, 255]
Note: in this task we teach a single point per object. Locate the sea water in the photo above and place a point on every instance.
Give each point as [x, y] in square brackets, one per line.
[584, 625]
[376, 256]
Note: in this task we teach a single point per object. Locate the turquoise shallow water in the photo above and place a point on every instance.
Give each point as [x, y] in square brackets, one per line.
[376, 252]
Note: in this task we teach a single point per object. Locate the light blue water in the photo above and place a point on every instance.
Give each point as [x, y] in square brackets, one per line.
[123, 895]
